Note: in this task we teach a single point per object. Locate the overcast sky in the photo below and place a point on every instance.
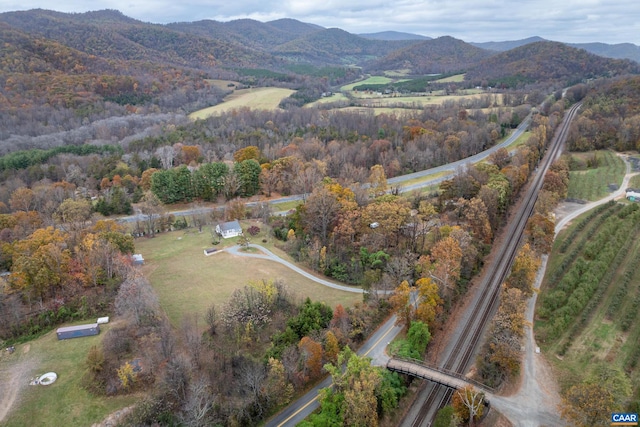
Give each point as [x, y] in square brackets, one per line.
[571, 21]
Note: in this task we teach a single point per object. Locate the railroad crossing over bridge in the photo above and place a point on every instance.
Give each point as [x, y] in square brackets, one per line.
[442, 376]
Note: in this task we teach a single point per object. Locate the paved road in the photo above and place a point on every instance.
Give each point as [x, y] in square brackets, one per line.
[453, 167]
[374, 347]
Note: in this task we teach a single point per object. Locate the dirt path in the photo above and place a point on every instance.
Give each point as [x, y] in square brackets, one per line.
[15, 372]
[536, 402]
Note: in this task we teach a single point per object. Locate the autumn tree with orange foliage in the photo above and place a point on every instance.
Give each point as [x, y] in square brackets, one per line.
[500, 355]
[247, 153]
[311, 352]
[446, 256]
[524, 269]
[540, 232]
[401, 303]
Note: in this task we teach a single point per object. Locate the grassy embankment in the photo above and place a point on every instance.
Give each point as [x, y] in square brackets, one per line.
[587, 314]
[65, 402]
[187, 281]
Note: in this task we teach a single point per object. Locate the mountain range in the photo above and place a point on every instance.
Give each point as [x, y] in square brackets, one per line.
[111, 34]
[107, 54]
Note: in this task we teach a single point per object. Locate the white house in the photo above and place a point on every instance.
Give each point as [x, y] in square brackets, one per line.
[229, 229]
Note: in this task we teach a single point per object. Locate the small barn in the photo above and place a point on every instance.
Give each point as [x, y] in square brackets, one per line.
[78, 331]
[137, 259]
[229, 229]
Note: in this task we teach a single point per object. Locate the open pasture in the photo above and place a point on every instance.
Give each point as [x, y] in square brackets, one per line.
[451, 79]
[188, 282]
[373, 80]
[261, 98]
[336, 97]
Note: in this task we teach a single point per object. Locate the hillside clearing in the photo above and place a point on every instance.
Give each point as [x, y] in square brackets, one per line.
[261, 98]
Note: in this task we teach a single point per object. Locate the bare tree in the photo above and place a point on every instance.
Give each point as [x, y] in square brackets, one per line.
[252, 376]
[192, 338]
[200, 215]
[198, 405]
[166, 155]
[153, 209]
[470, 401]
[136, 298]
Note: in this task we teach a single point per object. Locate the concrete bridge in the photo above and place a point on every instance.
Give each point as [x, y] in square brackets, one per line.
[419, 369]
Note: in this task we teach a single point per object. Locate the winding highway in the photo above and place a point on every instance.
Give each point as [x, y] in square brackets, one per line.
[396, 181]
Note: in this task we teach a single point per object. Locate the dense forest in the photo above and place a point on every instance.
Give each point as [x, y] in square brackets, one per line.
[610, 117]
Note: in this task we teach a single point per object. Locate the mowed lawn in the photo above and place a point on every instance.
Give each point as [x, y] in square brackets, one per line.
[261, 98]
[188, 282]
[65, 402]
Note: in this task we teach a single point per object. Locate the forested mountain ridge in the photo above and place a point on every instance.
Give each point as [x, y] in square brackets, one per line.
[615, 51]
[546, 61]
[393, 35]
[441, 55]
[60, 70]
[110, 34]
[338, 46]
[246, 32]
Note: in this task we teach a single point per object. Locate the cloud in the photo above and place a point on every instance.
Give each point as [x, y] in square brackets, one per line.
[568, 20]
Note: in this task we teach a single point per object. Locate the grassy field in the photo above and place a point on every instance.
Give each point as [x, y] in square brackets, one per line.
[522, 139]
[592, 184]
[605, 331]
[65, 402]
[336, 97]
[635, 182]
[187, 281]
[266, 98]
[373, 80]
[451, 79]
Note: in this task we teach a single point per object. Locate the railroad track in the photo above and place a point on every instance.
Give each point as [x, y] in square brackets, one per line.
[458, 358]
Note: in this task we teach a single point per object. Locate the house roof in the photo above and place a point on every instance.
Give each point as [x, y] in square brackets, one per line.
[230, 226]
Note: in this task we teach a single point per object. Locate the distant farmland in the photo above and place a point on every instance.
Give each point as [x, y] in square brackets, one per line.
[262, 98]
